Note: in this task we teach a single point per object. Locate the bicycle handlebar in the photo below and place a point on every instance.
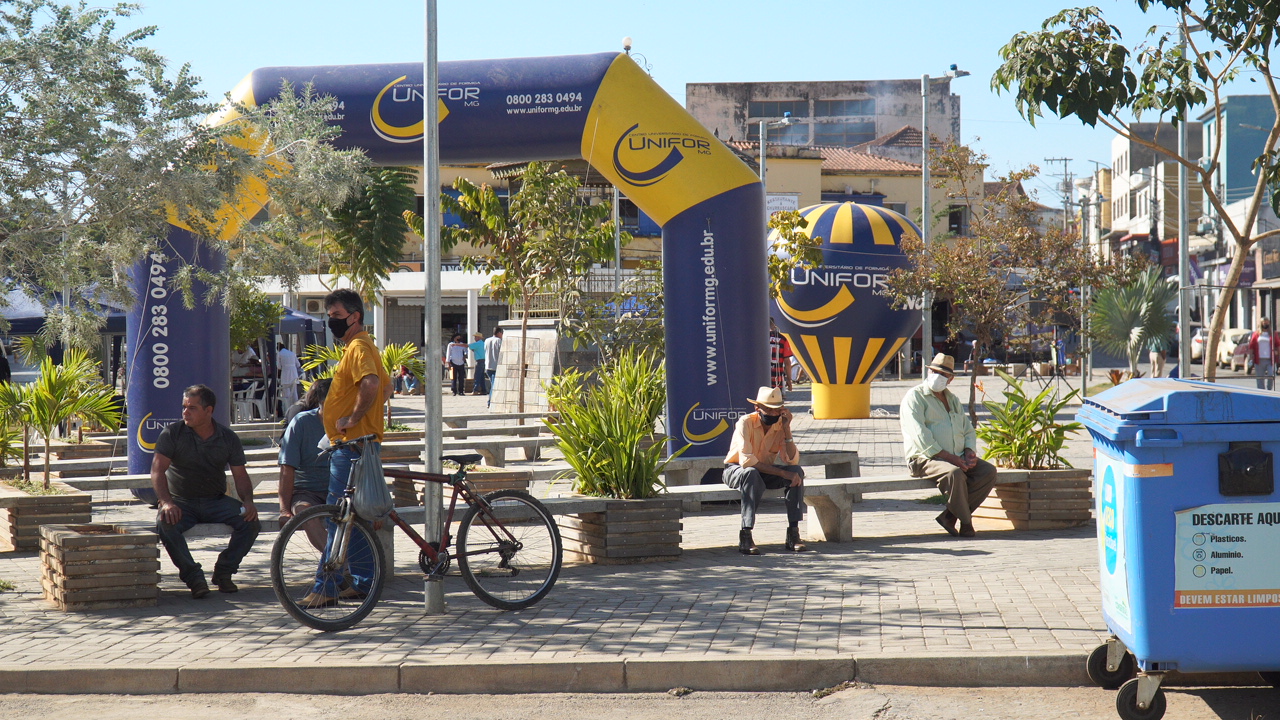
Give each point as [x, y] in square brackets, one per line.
[352, 441]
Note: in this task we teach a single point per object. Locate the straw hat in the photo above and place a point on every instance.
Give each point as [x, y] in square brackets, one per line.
[943, 363]
[768, 397]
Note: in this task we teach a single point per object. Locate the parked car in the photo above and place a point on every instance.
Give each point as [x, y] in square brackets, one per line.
[1197, 344]
[1241, 358]
[1229, 346]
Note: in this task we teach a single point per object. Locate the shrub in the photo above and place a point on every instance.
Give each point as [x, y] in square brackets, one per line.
[606, 426]
[1023, 431]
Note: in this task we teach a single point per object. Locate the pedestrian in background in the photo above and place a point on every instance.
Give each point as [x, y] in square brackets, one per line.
[455, 358]
[492, 347]
[1263, 346]
[478, 386]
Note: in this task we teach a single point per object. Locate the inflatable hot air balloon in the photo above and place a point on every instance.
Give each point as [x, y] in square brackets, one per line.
[839, 318]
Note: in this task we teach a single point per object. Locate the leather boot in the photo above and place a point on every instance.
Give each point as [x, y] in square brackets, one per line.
[746, 545]
[794, 543]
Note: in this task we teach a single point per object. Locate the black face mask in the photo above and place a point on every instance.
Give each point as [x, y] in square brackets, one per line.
[768, 420]
[338, 326]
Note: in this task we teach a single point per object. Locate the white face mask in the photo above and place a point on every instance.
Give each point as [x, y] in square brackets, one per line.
[936, 382]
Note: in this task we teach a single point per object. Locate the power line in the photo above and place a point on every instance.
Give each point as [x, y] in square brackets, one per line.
[1066, 191]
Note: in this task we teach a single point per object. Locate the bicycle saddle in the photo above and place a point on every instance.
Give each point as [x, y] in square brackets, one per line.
[462, 460]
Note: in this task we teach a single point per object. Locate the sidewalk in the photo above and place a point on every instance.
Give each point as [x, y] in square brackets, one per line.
[902, 603]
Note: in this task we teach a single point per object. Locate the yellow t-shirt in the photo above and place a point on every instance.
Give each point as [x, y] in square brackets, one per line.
[360, 359]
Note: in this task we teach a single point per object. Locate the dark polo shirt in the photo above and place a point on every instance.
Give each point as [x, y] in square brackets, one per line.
[198, 469]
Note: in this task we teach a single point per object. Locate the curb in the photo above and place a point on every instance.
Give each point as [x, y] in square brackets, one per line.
[601, 674]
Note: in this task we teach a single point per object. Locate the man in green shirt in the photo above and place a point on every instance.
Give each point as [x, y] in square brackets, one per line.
[940, 441]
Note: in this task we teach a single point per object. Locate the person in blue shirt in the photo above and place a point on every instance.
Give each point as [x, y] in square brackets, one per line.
[477, 353]
[304, 474]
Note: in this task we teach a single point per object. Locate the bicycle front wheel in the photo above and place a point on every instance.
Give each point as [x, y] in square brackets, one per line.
[509, 551]
[311, 584]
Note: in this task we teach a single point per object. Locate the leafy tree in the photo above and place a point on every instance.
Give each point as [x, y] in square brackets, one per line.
[101, 144]
[367, 232]
[792, 249]
[542, 241]
[1008, 275]
[253, 316]
[13, 404]
[1077, 65]
[630, 318]
[1131, 318]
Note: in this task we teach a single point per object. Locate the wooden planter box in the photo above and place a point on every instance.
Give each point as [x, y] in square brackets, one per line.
[408, 493]
[95, 567]
[21, 515]
[86, 449]
[628, 531]
[1040, 499]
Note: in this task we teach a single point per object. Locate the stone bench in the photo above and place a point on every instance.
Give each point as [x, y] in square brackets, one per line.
[495, 451]
[461, 421]
[688, 471]
[511, 430]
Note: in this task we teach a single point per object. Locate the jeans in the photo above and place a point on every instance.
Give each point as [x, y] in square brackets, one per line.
[491, 374]
[459, 385]
[222, 509]
[753, 483]
[360, 558]
[478, 386]
[1265, 371]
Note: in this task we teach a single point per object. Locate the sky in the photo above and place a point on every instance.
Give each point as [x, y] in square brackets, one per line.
[683, 42]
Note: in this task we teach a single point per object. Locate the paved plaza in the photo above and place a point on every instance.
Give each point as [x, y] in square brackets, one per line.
[901, 587]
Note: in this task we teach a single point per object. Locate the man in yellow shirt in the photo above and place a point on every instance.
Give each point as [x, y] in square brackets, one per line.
[763, 455]
[352, 409]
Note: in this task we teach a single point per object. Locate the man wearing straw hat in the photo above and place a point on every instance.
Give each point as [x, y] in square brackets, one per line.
[763, 455]
[940, 442]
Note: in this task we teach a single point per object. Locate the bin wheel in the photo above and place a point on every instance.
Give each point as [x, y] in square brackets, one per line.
[1271, 678]
[1103, 678]
[1127, 703]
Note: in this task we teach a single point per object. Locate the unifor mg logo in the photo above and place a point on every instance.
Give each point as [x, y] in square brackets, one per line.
[651, 156]
[718, 420]
[396, 115]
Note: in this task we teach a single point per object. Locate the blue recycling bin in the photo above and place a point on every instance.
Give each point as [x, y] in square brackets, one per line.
[1188, 525]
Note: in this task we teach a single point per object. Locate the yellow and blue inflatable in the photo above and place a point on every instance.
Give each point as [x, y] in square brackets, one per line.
[839, 317]
[601, 107]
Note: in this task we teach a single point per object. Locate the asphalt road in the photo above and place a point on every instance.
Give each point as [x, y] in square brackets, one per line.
[859, 703]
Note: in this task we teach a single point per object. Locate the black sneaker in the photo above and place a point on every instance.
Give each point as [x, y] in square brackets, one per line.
[224, 584]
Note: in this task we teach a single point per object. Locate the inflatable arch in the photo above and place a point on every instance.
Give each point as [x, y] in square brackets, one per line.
[602, 108]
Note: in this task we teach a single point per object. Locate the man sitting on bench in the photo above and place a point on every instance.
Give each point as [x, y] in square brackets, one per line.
[760, 439]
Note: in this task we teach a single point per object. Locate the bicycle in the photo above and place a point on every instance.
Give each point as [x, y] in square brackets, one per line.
[508, 551]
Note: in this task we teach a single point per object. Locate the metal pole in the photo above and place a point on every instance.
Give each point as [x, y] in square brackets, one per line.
[926, 223]
[764, 128]
[1184, 256]
[434, 495]
[617, 254]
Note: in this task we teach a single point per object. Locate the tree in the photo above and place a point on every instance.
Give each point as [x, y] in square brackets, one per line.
[1076, 65]
[59, 393]
[542, 241]
[792, 249]
[253, 315]
[367, 233]
[630, 318]
[1132, 317]
[101, 145]
[1008, 277]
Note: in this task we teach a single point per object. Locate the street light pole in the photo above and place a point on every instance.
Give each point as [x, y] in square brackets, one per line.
[926, 216]
[433, 496]
[1184, 255]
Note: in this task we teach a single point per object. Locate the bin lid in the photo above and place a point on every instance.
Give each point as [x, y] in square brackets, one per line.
[1162, 401]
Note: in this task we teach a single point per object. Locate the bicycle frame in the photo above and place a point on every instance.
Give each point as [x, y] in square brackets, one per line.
[461, 489]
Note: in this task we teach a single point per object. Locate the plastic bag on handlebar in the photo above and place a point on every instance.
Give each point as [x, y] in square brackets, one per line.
[372, 500]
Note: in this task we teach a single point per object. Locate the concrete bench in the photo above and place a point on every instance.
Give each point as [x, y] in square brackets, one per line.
[495, 451]
[461, 421]
[688, 471]
[512, 430]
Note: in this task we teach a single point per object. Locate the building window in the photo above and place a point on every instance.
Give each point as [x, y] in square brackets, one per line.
[795, 134]
[898, 207]
[958, 220]
[760, 109]
[843, 108]
[843, 134]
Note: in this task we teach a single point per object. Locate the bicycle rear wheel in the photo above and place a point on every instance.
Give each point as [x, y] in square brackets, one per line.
[313, 591]
[509, 554]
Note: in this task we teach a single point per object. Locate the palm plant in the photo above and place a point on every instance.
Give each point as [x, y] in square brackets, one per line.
[393, 356]
[606, 425]
[1023, 431]
[324, 359]
[1130, 319]
[13, 402]
[60, 393]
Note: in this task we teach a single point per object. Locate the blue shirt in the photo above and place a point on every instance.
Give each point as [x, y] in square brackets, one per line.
[300, 450]
[477, 350]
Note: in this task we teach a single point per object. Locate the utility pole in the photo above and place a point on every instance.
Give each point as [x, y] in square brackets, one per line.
[1066, 192]
[433, 496]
